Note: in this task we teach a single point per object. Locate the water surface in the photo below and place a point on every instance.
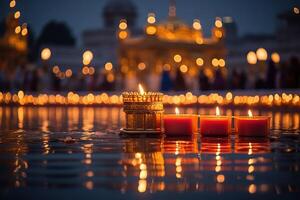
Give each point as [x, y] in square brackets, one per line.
[76, 153]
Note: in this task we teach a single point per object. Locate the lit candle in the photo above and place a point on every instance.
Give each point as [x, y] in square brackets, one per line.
[143, 112]
[215, 125]
[252, 125]
[180, 124]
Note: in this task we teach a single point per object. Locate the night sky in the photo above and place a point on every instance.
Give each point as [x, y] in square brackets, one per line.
[252, 16]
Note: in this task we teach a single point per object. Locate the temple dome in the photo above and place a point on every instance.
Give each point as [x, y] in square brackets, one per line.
[115, 10]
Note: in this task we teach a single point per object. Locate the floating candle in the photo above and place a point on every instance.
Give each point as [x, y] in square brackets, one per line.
[143, 111]
[252, 125]
[215, 125]
[180, 124]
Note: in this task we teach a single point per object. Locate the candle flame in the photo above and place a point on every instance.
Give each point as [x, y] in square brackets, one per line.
[217, 111]
[142, 92]
[250, 113]
[177, 111]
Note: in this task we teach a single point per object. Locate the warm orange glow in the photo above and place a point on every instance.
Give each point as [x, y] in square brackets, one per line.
[199, 61]
[167, 67]
[123, 35]
[151, 18]
[17, 14]
[110, 77]
[85, 70]
[217, 111]
[261, 54]
[251, 58]
[218, 34]
[177, 58]
[55, 69]
[151, 30]
[108, 66]
[123, 25]
[250, 113]
[91, 70]
[196, 24]
[24, 31]
[275, 57]
[199, 41]
[177, 111]
[18, 29]
[87, 55]
[215, 62]
[218, 23]
[183, 68]
[142, 66]
[296, 10]
[69, 73]
[222, 62]
[12, 4]
[46, 54]
[141, 89]
[220, 178]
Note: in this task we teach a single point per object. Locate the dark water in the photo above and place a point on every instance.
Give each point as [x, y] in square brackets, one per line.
[75, 153]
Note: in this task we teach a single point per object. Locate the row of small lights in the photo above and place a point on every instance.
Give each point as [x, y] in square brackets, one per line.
[261, 54]
[151, 28]
[184, 99]
[17, 14]
[87, 58]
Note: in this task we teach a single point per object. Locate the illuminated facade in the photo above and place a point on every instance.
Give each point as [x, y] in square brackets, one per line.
[171, 45]
[13, 45]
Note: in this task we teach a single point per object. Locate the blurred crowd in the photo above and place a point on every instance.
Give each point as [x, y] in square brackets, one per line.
[41, 79]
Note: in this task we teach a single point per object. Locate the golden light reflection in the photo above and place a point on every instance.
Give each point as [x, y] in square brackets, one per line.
[20, 117]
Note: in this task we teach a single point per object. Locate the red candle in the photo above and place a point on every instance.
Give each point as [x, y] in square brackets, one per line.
[215, 125]
[180, 124]
[252, 125]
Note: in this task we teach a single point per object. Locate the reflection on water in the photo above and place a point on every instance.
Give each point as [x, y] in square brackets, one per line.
[78, 147]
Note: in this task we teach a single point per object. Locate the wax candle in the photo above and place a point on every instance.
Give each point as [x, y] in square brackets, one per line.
[215, 125]
[252, 125]
[180, 124]
[143, 112]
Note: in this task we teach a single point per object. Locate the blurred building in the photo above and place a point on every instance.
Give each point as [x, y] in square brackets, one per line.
[171, 45]
[13, 44]
[102, 42]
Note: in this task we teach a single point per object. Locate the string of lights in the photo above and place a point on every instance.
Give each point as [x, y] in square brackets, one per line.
[73, 98]
[19, 29]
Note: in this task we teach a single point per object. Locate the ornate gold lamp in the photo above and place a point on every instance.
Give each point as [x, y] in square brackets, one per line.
[143, 112]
